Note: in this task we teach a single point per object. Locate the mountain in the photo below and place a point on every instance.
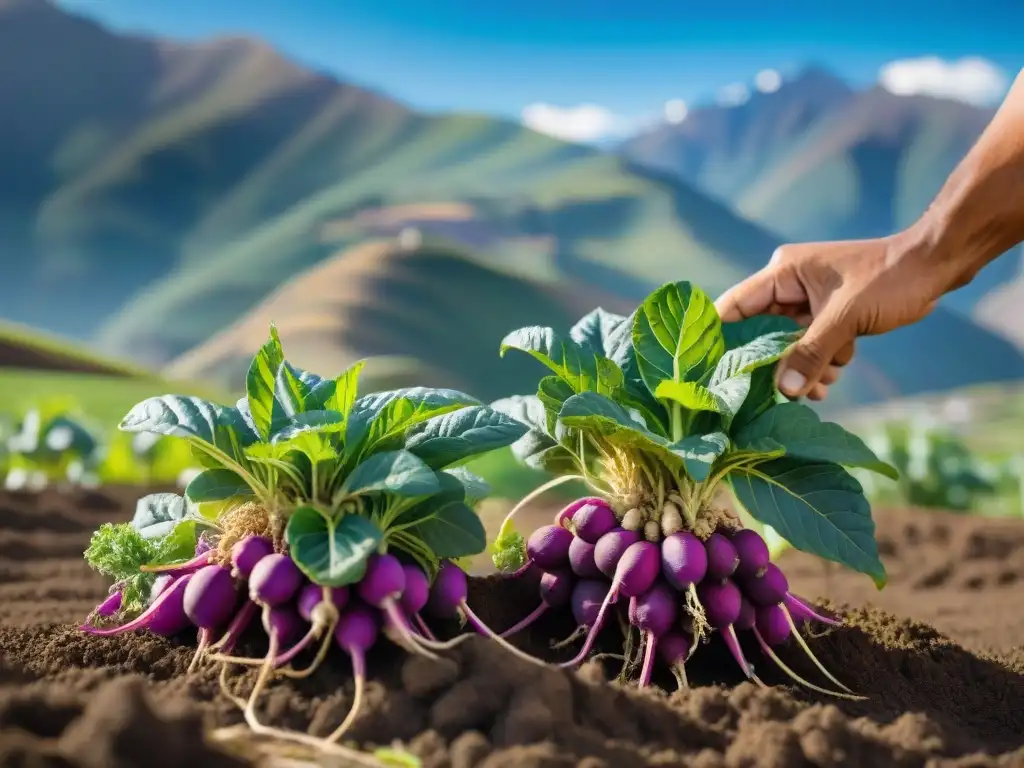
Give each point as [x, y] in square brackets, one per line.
[817, 160]
[158, 197]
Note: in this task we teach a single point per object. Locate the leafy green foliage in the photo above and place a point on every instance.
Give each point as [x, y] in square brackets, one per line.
[348, 473]
[694, 405]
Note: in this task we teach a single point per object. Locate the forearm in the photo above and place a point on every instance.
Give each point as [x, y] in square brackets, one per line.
[979, 213]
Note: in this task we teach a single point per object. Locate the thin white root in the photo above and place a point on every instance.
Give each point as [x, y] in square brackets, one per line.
[539, 490]
[701, 628]
[774, 657]
[807, 650]
[577, 633]
[321, 654]
[204, 644]
[679, 672]
[357, 700]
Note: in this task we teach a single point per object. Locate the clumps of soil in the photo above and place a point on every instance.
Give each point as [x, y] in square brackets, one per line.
[116, 727]
[68, 699]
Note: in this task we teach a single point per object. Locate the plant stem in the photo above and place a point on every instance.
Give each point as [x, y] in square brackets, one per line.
[506, 524]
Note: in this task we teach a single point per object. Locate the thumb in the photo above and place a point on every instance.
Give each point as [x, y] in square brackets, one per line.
[807, 360]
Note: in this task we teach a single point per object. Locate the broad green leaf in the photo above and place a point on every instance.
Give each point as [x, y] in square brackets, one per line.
[453, 437]
[691, 395]
[157, 514]
[584, 368]
[744, 331]
[308, 421]
[474, 487]
[762, 351]
[732, 393]
[389, 415]
[289, 390]
[591, 411]
[761, 396]
[818, 508]
[192, 418]
[332, 553]
[452, 530]
[677, 335]
[346, 388]
[700, 452]
[799, 431]
[216, 485]
[552, 392]
[261, 381]
[634, 392]
[177, 546]
[399, 473]
[537, 448]
[596, 329]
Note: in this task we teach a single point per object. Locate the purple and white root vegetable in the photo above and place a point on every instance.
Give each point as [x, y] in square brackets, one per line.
[681, 589]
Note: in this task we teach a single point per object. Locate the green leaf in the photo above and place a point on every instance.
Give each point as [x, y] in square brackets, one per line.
[761, 396]
[387, 416]
[346, 388]
[474, 487]
[762, 351]
[118, 551]
[818, 508]
[216, 485]
[290, 390]
[192, 418]
[744, 331]
[178, 546]
[677, 335]
[691, 395]
[799, 431]
[261, 381]
[399, 473]
[452, 530]
[308, 421]
[553, 392]
[596, 330]
[537, 448]
[700, 452]
[634, 393]
[332, 553]
[592, 411]
[455, 436]
[584, 368]
[157, 514]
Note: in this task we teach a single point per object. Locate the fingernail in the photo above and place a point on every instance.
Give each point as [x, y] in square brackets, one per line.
[792, 382]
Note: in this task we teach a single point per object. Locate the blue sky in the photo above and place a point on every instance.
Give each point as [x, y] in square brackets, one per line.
[629, 56]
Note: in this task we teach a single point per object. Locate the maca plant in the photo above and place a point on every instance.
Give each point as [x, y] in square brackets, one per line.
[328, 514]
[658, 413]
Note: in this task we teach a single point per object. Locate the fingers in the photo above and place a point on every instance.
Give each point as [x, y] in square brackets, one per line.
[753, 296]
[812, 363]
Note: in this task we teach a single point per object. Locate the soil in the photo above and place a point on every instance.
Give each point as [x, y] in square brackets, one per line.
[938, 654]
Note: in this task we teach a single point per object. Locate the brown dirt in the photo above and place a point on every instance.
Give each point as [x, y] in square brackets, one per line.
[935, 700]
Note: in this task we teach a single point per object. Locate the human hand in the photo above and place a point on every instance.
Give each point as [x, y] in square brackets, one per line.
[838, 291]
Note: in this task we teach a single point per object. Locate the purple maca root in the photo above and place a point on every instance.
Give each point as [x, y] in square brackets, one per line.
[680, 589]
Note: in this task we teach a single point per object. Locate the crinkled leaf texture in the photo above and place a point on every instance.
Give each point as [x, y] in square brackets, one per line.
[191, 418]
[597, 413]
[156, 515]
[797, 429]
[584, 367]
[677, 335]
[386, 417]
[331, 552]
[399, 473]
[537, 448]
[453, 437]
[819, 508]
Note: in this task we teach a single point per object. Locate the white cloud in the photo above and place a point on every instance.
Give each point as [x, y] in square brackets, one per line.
[972, 79]
[583, 123]
[733, 95]
[768, 81]
[675, 111]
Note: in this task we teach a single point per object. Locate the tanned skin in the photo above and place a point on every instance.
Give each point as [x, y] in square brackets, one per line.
[842, 290]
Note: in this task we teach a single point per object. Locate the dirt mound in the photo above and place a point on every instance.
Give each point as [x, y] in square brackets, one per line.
[69, 699]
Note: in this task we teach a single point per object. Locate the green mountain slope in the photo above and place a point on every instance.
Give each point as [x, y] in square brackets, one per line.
[155, 193]
[816, 160]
